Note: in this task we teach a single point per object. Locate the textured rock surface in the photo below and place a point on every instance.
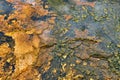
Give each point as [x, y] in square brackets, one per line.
[42, 41]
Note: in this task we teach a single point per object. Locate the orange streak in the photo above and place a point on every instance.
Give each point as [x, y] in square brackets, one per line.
[79, 2]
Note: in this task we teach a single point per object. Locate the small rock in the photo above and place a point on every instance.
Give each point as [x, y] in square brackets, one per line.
[82, 55]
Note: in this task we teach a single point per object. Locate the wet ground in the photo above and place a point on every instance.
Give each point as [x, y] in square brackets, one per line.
[59, 40]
